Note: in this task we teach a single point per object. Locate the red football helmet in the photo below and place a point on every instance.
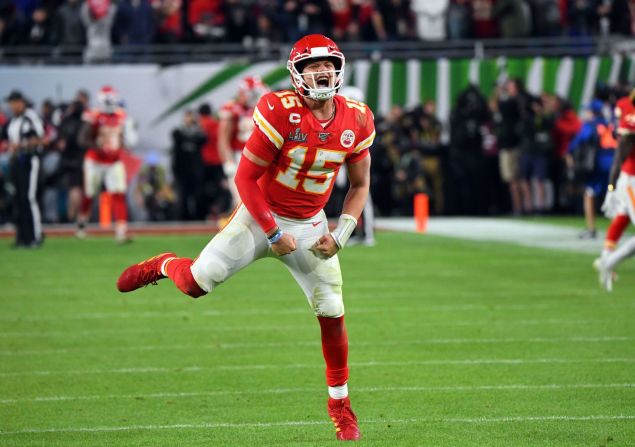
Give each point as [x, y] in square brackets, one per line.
[314, 47]
[108, 100]
[251, 90]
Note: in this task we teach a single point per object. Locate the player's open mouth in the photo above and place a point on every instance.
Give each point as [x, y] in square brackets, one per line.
[323, 81]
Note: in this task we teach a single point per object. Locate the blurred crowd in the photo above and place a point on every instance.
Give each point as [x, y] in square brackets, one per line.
[512, 153]
[98, 24]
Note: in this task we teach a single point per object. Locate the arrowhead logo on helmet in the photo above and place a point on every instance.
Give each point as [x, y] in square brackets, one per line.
[311, 48]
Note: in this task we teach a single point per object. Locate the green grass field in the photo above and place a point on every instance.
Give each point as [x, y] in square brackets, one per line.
[453, 343]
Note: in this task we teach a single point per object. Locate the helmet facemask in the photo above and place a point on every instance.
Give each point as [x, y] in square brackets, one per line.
[318, 93]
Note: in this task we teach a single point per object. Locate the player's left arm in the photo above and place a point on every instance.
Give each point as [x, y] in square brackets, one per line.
[624, 148]
[358, 167]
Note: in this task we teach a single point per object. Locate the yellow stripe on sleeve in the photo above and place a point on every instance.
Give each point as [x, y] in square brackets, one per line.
[268, 129]
[365, 144]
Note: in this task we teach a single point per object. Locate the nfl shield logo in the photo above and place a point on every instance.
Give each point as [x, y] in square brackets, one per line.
[348, 138]
[323, 136]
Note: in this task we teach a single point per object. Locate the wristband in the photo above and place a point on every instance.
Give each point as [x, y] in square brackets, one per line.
[345, 226]
[275, 237]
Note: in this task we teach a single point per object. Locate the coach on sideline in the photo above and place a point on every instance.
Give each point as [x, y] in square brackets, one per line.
[24, 133]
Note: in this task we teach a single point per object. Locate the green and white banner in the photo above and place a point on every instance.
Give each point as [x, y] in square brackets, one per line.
[156, 96]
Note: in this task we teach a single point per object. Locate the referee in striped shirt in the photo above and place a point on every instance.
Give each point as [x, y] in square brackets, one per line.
[24, 134]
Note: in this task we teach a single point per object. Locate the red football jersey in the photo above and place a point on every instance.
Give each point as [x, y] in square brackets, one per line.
[625, 113]
[109, 134]
[242, 123]
[304, 156]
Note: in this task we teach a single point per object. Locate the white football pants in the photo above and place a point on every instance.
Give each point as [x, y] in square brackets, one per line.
[242, 242]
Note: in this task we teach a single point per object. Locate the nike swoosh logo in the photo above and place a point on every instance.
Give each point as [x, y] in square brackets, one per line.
[270, 106]
[315, 224]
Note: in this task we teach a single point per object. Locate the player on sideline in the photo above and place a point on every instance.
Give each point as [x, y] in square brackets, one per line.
[620, 197]
[106, 132]
[284, 178]
[235, 126]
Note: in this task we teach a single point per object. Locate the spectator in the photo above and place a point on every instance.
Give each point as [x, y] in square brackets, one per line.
[307, 17]
[98, 17]
[216, 197]
[514, 18]
[385, 160]
[615, 17]
[72, 158]
[153, 191]
[431, 16]
[483, 20]
[581, 17]
[428, 137]
[206, 19]
[187, 141]
[368, 21]
[396, 18]
[466, 151]
[38, 30]
[68, 29]
[537, 148]
[168, 19]
[459, 18]
[134, 23]
[9, 24]
[592, 150]
[545, 17]
[510, 104]
[566, 127]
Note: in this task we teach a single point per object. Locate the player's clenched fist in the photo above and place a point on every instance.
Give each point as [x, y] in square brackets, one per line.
[325, 247]
[284, 246]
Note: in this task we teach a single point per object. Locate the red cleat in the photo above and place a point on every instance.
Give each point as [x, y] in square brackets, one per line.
[346, 428]
[142, 274]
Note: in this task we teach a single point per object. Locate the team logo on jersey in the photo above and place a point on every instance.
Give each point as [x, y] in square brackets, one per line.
[297, 136]
[348, 138]
[323, 136]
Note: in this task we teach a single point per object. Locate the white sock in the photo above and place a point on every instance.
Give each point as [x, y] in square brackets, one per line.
[338, 392]
[163, 264]
[626, 250]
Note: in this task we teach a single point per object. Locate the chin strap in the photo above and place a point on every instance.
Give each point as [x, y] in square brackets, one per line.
[345, 226]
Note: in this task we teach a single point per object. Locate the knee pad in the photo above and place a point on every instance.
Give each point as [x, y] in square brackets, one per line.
[328, 303]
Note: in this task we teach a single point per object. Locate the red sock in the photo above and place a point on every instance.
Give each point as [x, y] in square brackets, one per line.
[84, 207]
[335, 350]
[616, 229]
[119, 208]
[179, 272]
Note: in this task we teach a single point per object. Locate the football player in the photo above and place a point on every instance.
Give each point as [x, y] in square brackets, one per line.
[619, 203]
[285, 176]
[105, 133]
[235, 127]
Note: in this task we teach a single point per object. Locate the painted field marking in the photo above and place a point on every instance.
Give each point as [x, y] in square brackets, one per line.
[422, 389]
[151, 370]
[214, 425]
[261, 345]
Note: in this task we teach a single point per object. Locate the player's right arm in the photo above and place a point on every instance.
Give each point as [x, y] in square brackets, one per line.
[260, 150]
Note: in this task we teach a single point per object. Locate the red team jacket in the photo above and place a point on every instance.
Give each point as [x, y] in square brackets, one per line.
[625, 112]
[306, 157]
[108, 130]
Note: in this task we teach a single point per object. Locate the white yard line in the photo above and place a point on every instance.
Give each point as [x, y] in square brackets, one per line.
[262, 345]
[154, 370]
[407, 389]
[478, 420]
[512, 231]
[208, 330]
[298, 311]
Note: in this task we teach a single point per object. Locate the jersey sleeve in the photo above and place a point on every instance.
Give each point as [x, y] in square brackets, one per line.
[625, 114]
[367, 136]
[266, 139]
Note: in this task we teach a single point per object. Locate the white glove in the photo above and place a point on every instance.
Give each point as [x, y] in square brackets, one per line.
[230, 168]
[611, 204]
